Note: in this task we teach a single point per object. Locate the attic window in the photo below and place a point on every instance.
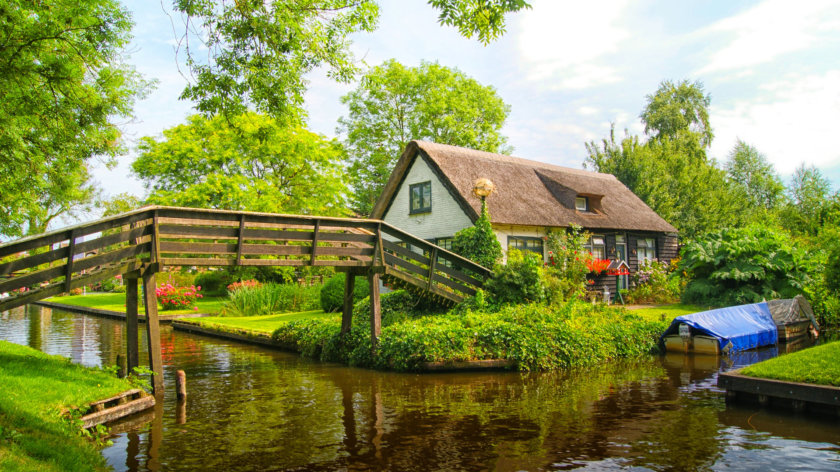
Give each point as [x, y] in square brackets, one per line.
[582, 204]
[420, 198]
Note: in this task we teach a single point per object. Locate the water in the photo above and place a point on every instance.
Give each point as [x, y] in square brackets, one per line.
[255, 409]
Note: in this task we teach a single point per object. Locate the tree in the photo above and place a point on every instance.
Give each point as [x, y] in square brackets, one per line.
[676, 108]
[250, 162]
[810, 202]
[395, 104]
[253, 55]
[63, 88]
[749, 170]
[673, 176]
[120, 203]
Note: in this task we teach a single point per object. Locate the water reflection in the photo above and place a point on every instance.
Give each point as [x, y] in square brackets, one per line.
[254, 409]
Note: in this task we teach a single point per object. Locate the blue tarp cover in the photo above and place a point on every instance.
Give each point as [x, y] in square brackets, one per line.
[739, 327]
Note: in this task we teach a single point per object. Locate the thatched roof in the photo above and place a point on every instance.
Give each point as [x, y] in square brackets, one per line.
[527, 192]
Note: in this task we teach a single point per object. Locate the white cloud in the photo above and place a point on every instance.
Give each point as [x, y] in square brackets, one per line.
[563, 42]
[767, 31]
[587, 111]
[794, 121]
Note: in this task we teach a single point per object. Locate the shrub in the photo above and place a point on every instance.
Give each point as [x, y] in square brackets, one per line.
[254, 300]
[214, 282]
[521, 280]
[119, 289]
[567, 263]
[479, 243]
[332, 293]
[742, 265]
[76, 291]
[173, 297]
[655, 283]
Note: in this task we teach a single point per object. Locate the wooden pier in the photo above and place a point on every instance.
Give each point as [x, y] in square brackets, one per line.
[770, 393]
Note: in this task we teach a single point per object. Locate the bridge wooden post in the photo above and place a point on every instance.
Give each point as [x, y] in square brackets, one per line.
[375, 309]
[132, 346]
[347, 309]
[153, 331]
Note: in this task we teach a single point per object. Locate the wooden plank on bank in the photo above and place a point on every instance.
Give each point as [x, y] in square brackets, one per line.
[118, 411]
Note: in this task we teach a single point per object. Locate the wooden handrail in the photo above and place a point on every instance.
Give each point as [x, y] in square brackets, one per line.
[161, 236]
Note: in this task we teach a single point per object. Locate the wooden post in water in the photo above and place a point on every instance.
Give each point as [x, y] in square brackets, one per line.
[375, 309]
[121, 366]
[153, 332]
[132, 348]
[181, 385]
[347, 310]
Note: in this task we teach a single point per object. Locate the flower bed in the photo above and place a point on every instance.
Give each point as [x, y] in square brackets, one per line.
[172, 297]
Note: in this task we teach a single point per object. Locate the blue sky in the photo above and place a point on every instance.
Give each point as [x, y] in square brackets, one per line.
[569, 69]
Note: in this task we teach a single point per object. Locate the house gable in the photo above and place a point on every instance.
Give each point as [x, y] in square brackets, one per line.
[447, 215]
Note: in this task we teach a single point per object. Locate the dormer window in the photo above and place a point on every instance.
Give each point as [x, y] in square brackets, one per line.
[582, 203]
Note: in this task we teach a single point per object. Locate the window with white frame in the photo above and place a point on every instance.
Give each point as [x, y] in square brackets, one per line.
[646, 249]
[597, 246]
[525, 243]
[582, 204]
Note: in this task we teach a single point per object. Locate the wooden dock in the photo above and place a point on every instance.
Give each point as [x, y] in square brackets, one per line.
[117, 407]
[801, 397]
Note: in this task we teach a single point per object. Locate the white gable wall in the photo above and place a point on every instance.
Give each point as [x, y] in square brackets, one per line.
[446, 217]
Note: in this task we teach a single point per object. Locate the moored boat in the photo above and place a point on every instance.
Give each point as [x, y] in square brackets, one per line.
[722, 331]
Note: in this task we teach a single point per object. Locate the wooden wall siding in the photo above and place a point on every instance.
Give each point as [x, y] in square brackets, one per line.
[149, 239]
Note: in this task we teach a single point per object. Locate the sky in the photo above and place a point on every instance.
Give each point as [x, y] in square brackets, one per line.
[570, 69]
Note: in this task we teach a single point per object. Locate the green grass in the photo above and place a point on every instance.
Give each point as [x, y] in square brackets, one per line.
[116, 302]
[669, 311]
[35, 387]
[265, 324]
[816, 365]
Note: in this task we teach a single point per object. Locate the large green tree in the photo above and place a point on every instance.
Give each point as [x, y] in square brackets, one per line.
[395, 104]
[754, 176]
[247, 162]
[64, 88]
[811, 204]
[253, 55]
[678, 108]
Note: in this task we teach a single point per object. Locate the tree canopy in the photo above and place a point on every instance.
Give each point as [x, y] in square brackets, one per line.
[756, 178]
[394, 104]
[63, 87]
[253, 55]
[678, 108]
[250, 162]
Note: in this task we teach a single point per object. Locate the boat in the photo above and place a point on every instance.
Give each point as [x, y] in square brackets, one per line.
[794, 319]
[722, 331]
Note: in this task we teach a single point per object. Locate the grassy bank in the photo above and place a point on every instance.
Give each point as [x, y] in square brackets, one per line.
[264, 324]
[816, 365]
[35, 387]
[116, 302]
[667, 312]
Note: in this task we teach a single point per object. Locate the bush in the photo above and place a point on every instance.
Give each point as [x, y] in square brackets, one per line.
[534, 336]
[245, 284]
[332, 293]
[521, 280]
[255, 300]
[742, 265]
[655, 283]
[479, 243]
[119, 289]
[214, 282]
[173, 297]
[567, 263]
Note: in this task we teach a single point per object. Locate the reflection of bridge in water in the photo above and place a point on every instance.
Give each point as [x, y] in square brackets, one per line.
[141, 243]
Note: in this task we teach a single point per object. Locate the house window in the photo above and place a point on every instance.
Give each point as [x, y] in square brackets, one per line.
[597, 246]
[646, 249]
[445, 243]
[420, 197]
[524, 243]
[582, 204]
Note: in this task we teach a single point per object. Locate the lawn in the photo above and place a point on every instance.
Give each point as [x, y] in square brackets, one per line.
[669, 312]
[116, 302]
[36, 386]
[265, 324]
[816, 365]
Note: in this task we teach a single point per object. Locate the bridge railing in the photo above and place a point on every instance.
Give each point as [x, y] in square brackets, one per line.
[57, 262]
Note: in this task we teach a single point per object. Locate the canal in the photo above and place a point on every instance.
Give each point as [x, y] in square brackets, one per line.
[251, 408]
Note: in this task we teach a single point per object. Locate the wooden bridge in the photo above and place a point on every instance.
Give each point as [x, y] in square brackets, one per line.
[141, 243]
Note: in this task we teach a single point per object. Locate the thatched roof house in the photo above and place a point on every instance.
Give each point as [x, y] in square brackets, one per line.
[430, 194]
